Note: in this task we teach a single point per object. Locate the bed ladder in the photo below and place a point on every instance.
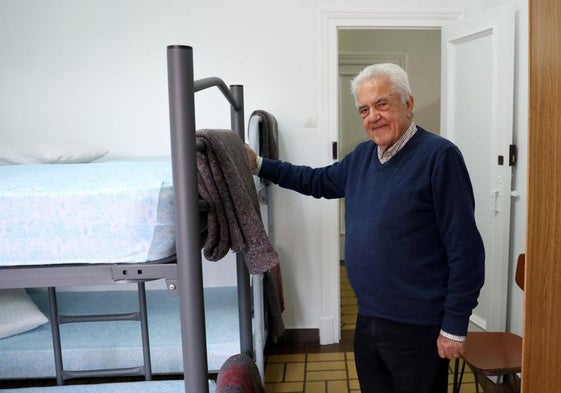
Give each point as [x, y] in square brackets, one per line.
[140, 316]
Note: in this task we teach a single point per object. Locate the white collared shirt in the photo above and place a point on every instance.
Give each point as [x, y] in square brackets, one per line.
[384, 155]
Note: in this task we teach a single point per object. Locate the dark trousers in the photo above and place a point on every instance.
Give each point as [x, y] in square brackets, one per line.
[393, 357]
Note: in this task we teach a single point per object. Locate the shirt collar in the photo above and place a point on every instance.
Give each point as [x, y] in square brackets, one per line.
[384, 155]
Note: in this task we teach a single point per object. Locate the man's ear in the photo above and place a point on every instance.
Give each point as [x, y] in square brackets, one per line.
[410, 105]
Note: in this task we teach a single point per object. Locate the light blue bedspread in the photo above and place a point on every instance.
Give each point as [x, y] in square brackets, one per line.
[98, 212]
[126, 387]
[118, 344]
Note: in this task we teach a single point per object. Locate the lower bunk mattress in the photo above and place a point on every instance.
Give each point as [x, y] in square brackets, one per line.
[101, 345]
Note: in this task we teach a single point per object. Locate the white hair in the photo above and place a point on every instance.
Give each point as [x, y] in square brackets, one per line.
[396, 75]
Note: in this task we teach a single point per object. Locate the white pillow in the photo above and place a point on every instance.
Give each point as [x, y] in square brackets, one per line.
[18, 313]
[49, 153]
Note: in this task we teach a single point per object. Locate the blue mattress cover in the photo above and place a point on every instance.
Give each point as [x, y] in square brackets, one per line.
[174, 386]
[118, 344]
[100, 212]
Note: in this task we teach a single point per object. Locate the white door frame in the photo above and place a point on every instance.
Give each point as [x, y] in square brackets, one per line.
[331, 20]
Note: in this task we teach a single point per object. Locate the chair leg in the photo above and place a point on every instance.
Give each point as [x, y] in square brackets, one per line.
[513, 382]
[503, 384]
[458, 376]
[475, 378]
[483, 381]
[498, 384]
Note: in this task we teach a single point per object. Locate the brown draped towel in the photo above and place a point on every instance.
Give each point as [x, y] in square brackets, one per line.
[268, 137]
[239, 374]
[274, 302]
[267, 134]
[234, 217]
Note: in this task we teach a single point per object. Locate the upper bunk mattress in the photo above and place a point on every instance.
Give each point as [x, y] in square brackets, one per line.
[104, 212]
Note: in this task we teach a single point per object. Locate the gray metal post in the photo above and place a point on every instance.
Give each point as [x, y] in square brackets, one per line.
[236, 112]
[55, 331]
[189, 264]
[244, 290]
[143, 319]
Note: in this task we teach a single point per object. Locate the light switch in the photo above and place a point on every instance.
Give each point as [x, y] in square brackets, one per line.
[310, 120]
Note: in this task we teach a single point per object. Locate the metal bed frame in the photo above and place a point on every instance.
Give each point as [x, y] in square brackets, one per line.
[182, 272]
[182, 88]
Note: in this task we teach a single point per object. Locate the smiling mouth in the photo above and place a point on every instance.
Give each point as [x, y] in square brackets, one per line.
[378, 126]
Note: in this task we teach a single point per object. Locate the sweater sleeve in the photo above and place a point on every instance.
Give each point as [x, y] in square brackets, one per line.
[454, 205]
[326, 182]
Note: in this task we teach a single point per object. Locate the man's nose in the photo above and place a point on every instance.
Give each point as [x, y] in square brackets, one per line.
[373, 114]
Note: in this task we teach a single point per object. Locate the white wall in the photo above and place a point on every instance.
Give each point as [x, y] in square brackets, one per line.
[95, 71]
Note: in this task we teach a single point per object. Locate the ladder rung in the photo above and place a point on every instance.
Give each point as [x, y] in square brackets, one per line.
[133, 316]
[112, 372]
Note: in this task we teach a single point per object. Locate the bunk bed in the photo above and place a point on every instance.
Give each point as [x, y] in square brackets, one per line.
[182, 269]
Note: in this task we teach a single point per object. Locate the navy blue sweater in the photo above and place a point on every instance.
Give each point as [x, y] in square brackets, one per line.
[413, 252]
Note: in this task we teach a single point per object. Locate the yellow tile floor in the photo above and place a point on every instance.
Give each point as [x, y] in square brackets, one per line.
[324, 373]
[327, 372]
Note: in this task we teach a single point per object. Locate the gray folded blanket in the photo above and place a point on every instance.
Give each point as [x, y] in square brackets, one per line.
[234, 218]
[239, 374]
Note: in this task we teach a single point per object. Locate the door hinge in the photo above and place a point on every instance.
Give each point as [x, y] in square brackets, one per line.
[512, 155]
[334, 150]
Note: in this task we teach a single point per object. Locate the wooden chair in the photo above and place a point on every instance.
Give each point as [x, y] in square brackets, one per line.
[494, 355]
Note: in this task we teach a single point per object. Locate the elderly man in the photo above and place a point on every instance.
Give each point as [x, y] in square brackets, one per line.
[413, 253]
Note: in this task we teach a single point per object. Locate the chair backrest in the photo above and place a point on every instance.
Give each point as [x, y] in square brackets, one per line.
[520, 267]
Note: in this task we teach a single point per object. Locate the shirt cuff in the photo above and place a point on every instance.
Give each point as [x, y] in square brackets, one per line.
[259, 162]
[453, 337]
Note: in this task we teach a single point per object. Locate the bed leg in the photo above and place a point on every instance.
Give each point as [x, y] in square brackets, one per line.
[189, 266]
[144, 329]
[258, 323]
[244, 307]
[244, 287]
[55, 331]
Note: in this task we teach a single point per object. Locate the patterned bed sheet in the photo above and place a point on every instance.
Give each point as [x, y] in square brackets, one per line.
[101, 212]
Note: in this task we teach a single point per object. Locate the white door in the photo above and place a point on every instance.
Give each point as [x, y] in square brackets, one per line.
[477, 115]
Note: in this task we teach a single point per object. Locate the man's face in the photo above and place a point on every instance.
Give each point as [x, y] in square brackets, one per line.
[384, 116]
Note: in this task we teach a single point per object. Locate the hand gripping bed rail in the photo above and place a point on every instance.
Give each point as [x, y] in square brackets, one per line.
[140, 316]
[181, 89]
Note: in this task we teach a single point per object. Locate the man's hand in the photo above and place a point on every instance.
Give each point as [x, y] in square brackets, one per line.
[252, 157]
[449, 349]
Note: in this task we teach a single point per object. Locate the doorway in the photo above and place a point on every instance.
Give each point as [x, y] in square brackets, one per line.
[331, 21]
[332, 24]
[416, 51]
